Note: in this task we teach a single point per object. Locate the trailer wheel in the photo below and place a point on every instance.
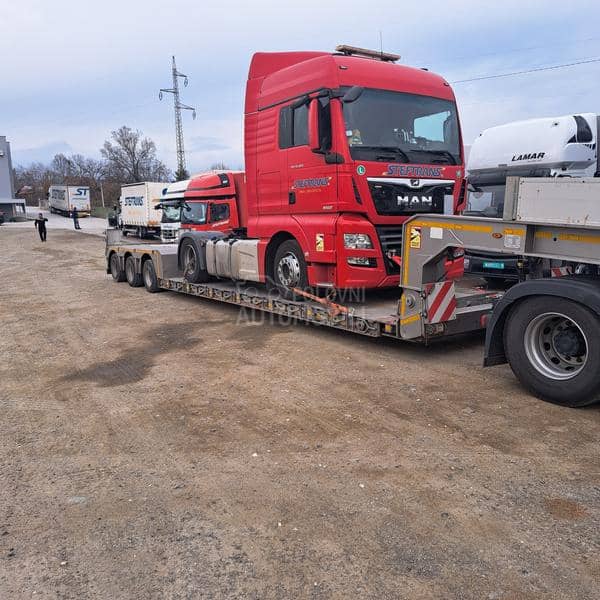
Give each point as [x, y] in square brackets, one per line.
[191, 263]
[553, 347]
[134, 278]
[118, 274]
[289, 269]
[149, 276]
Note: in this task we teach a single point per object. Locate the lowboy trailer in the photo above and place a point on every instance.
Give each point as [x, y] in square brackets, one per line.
[547, 326]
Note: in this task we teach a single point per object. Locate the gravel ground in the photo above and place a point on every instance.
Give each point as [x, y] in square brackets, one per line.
[160, 446]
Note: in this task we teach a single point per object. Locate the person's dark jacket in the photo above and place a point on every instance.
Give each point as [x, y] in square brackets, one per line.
[40, 223]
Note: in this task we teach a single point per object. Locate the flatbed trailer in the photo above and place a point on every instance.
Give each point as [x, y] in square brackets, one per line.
[547, 326]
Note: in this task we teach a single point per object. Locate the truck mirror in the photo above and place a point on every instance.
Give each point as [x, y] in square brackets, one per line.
[352, 94]
[314, 142]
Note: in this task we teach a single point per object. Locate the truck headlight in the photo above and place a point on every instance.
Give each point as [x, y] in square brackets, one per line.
[357, 241]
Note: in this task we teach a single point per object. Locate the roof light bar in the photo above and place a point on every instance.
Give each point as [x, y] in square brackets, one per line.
[353, 51]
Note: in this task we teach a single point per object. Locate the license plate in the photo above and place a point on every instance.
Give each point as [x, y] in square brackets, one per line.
[493, 265]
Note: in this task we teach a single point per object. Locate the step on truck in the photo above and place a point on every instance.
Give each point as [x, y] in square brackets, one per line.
[340, 150]
[546, 327]
[138, 215]
[62, 199]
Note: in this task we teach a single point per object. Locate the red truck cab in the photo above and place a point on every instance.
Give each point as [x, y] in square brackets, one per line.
[340, 150]
[214, 202]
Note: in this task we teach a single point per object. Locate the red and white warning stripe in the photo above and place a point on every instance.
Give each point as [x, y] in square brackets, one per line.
[560, 271]
[440, 302]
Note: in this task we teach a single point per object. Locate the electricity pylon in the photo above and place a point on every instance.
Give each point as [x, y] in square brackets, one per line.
[178, 106]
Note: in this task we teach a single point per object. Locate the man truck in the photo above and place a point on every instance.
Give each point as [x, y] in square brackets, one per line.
[563, 146]
[138, 213]
[62, 199]
[340, 150]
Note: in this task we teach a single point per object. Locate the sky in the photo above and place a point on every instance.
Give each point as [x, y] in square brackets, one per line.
[73, 71]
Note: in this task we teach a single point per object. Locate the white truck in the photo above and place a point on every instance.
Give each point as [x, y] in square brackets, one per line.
[138, 213]
[563, 146]
[170, 203]
[62, 199]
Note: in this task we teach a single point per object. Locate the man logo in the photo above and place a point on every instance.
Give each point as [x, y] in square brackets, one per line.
[415, 183]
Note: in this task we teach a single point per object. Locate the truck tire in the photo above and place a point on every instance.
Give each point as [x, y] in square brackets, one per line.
[134, 278]
[117, 272]
[149, 277]
[553, 347]
[191, 263]
[289, 269]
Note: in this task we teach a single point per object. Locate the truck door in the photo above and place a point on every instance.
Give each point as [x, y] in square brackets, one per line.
[311, 182]
[223, 215]
[271, 165]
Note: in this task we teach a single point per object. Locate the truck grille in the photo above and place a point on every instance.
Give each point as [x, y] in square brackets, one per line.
[391, 198]
[390, 238]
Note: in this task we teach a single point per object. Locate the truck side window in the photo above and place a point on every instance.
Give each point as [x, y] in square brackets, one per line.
[219, 212]
[293, 126]
[194, 213]
[300, 129]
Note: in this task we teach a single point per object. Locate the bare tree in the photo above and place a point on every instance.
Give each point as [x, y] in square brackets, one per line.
[131, 157]
[219, 166]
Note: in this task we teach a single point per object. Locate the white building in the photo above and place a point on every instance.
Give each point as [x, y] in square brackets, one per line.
[9, 205]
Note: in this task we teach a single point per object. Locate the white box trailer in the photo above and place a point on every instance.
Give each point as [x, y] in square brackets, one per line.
[138, 215]
[62, 199]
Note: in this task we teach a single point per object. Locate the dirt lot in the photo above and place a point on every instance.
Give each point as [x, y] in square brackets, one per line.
[158, 446]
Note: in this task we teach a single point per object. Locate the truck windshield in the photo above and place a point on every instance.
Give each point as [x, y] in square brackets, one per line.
[194, 213]
[171, 214]
[485, 201]
[394, 126]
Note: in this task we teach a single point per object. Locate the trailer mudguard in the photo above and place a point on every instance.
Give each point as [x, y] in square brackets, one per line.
[199, 239]
[585, 291]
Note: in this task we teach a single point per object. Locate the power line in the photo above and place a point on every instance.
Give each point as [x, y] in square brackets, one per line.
[555, 44]
[536, 70]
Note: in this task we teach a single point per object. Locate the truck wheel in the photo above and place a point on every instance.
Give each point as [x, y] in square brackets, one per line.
[118, 274]
[149, 276]
[191, 263]
[289, 269]
[553, 347]
[134, 279]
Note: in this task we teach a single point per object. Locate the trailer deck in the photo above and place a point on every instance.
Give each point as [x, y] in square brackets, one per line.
[372, 313]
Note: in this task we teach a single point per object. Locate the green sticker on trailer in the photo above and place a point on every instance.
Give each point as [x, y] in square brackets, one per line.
[493, 265]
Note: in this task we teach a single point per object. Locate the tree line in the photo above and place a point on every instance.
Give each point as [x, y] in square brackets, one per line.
[127, 157]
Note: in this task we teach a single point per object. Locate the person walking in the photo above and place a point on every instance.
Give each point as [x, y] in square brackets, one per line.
[40, 225]
[75, 214]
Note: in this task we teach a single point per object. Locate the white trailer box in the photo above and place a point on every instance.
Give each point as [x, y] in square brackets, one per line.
[138, 215]
[63, 199]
